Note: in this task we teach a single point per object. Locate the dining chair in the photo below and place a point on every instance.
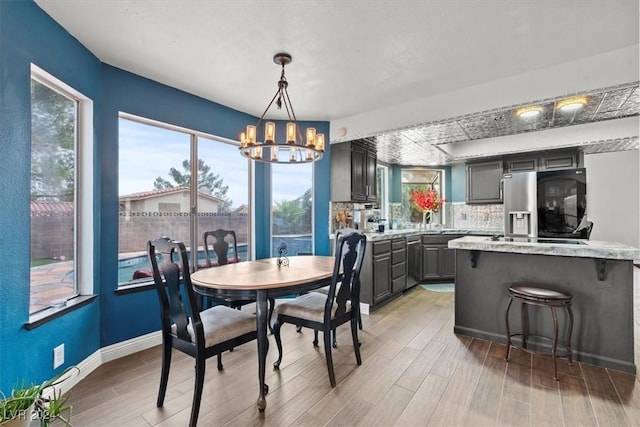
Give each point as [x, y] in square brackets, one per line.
[224, 244]
[325, 290]
[201, 335]
[326, 312]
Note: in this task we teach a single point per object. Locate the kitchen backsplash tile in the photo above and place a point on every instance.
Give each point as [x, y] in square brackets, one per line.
[455, 215]
[482, 217]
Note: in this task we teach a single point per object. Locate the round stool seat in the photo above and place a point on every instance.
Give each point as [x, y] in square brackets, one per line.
[540, 295]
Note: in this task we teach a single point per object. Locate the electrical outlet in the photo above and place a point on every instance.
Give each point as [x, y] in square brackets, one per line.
[58, 356]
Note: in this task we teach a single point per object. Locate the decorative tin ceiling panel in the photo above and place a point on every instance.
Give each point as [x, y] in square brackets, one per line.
[425, 144]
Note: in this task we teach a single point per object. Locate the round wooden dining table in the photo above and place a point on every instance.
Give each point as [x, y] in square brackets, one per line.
[261, 280]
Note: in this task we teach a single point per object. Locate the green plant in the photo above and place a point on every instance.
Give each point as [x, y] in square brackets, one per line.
[45, 400]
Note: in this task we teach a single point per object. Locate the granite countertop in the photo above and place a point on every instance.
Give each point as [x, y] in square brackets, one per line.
[590, 248]
[392, 234]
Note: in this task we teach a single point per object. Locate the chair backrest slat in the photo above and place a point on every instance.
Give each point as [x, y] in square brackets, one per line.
[349, 254]
[224, 240]
[172, 285]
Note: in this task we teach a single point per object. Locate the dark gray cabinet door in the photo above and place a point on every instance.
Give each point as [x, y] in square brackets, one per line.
[359, 184]
[371, 165]
[430, 262]
[381, 277]
[519, 164]
[559, 161]
[448, 263]
[484, 182]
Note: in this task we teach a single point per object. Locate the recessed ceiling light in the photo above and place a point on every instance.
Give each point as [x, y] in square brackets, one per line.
[529, 112]
[571, 104]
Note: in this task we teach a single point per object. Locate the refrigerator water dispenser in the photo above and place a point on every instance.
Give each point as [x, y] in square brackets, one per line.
[519, 223]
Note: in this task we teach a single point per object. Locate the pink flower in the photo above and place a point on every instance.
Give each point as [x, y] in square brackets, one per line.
[426, 200]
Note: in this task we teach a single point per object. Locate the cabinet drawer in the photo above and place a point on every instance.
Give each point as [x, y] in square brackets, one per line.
[398, 270]
[399, 284]
[398, 256]
[397, 244]
[381, 247]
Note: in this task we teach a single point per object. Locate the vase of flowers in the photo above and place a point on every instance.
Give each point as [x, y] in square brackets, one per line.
[428, 202]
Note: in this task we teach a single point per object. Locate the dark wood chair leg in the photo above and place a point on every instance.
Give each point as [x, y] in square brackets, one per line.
[276, 333]
[272, 305]
[220, 367]
[356, 343]
[327, 353]
[164, 375]
[197, 392]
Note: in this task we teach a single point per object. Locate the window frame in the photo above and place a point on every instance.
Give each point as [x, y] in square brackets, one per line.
[441, 172]
[383, 189]
[83, 200]
[312, 218]
[193, 155]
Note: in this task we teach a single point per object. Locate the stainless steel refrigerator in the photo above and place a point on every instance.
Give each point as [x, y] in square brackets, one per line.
[520, 205]
[549, 204]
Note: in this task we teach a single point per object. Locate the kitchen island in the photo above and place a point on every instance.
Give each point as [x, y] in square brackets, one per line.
[599, 275]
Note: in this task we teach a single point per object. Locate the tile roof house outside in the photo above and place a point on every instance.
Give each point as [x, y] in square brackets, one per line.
[168, 200]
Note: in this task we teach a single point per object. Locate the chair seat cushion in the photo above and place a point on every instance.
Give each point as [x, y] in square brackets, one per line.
[308, 306]
[221, 323]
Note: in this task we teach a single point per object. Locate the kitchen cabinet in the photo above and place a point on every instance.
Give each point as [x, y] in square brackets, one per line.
[353, 172]
[392, 266]
[484, 182]
[375, 278]
[398, 265]
[438, 260]
[542, 161]
[560, 160]
[521, 164]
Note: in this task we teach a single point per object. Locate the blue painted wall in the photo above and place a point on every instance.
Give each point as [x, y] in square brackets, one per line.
[458, 183]
[27, 34]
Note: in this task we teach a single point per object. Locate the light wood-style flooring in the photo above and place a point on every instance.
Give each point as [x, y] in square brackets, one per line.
[415, 372]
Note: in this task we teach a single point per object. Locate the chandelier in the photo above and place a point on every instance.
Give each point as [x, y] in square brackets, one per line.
[294, 149]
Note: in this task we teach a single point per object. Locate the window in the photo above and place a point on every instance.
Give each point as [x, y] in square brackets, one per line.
[61, 223]
[157, 193]
[291, 208]
[382, 190]
[419, 179]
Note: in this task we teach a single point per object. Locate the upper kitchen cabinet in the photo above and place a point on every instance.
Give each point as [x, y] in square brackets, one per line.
[353, 172]
[543, 161]
[484, 182]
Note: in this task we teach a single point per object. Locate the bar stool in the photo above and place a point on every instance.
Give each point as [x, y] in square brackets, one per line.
[531, 294]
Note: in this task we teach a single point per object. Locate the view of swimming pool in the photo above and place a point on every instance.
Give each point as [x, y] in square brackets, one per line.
[295, 245]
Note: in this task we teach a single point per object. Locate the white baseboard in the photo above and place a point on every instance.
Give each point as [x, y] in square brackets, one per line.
[134, 345]
[109, 353]
[364, 308]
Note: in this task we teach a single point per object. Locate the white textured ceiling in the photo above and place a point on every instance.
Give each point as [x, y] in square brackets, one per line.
[349, 57]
